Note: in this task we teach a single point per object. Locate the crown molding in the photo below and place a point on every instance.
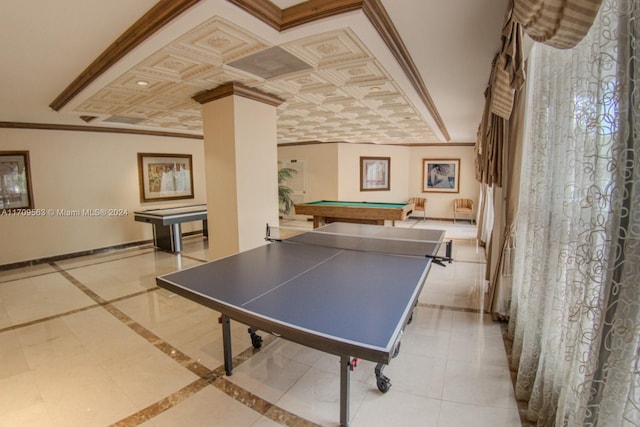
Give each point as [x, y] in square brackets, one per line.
[426, 144]
[299, 14]
[264, 10]
[77, 128]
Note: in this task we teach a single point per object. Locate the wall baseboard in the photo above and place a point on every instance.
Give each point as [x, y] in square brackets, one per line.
[32, 262]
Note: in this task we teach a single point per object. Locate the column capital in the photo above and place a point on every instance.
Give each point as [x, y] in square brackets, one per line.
[237, 88]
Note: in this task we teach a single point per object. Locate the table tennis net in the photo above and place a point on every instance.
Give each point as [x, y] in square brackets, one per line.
[372, 243]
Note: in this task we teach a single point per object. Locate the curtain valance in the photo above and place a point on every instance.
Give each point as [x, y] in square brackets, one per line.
[558, 23]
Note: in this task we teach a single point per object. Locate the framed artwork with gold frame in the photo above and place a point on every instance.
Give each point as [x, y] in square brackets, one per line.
[165, 176]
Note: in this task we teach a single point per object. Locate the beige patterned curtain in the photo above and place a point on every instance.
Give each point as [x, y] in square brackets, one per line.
[575, 306]
[557, 23]
[500, 253]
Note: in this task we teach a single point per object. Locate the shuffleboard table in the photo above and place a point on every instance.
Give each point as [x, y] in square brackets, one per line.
[167, 230]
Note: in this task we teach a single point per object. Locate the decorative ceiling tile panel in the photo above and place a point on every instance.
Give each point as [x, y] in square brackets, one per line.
[120, 98]
[129, 83]
[172, 66]
[99, 107]
[346, 96]
[329, 49]
[218, 42]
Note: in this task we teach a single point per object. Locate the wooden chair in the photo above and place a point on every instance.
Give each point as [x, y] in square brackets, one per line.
[463, 206]
[419, 205]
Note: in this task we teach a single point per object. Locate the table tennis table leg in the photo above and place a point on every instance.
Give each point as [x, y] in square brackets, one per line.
[345, 368]
[226, 344]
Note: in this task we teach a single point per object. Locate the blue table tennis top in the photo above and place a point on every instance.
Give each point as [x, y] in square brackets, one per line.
[336, 300]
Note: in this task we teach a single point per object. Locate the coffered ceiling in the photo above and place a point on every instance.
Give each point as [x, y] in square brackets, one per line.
[340, 77]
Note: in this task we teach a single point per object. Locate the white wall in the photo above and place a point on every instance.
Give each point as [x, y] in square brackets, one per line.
[86, 170]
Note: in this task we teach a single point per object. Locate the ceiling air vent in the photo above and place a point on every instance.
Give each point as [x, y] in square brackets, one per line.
[124, 119]
[270, 63]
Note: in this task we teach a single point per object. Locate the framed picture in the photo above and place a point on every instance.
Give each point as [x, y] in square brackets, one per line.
[165, 176]
[15, 180]
[375, 173]
[440, 175]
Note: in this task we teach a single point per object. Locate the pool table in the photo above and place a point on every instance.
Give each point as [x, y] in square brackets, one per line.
[327, 211]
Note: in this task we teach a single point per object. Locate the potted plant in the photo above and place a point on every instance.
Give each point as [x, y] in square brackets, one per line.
[284, 192]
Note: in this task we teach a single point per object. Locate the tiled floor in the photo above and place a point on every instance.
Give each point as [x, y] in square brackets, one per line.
[91, 341]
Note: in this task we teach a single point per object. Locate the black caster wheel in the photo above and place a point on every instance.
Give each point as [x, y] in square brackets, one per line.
[256, 341]
[383, 383]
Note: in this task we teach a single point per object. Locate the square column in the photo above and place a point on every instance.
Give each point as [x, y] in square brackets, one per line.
[241, 166]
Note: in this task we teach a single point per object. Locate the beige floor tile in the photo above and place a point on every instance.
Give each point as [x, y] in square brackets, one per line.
[269, 375]
[207, 408]
[37, 297]
[396, 408]
[454, 414]
[35, 414]
[316, 396]
[478, 383]
[24, 272]
[20, 393]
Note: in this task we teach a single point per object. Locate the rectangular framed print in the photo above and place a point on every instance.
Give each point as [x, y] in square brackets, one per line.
[374, 173]
[15, 181]
[440, 175]
[165, 176]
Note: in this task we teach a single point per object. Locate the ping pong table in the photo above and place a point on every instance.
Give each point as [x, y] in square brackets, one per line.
[346, 289]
